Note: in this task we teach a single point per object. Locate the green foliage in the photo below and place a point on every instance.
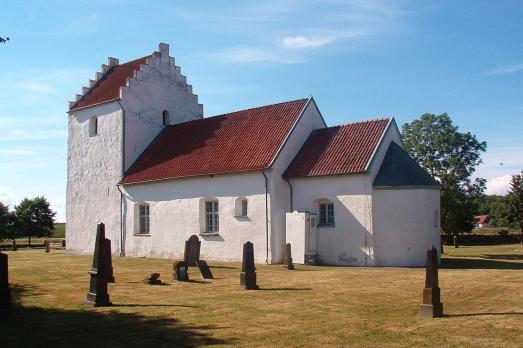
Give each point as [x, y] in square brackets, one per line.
[451, 157]
[515, 202]
[34, 218]
[7, 220]
[488, 203]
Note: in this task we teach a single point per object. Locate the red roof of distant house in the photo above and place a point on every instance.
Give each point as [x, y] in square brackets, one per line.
[481, 219]
[338, 150]
[108, 87]
[238, 141]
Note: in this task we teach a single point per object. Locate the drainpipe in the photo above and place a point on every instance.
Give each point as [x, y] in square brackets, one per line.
[122, 173]
[266, 218]
[290, 192]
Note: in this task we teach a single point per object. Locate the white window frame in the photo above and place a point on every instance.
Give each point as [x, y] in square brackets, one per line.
[144, 219]
[212, 216]
[326, 216]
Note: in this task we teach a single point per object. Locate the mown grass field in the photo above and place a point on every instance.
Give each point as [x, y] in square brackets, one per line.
[311, 306]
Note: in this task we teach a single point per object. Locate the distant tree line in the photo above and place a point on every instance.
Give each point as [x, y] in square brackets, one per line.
[505, 211]
[30, 218]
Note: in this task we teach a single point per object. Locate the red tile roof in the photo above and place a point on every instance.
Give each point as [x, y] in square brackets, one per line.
[239, 141]
[108, 87]
[481, 219]
[338, 150]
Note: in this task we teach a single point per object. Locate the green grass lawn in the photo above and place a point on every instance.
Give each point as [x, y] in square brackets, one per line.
[311, 306]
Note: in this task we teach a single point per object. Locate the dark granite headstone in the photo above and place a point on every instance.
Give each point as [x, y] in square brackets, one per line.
[248, 274]
[153, 279]
[5, 291]
[192, 250]
[109, 263]
[13, 246]
[456, 241]
[204, 269]
[181, 271]
[287, 259]
[431, 306]
[63, 243]
[98, 295]
[47, 246]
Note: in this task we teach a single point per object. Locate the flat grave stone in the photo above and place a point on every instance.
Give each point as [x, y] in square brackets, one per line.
[205, 271]
[153, 279]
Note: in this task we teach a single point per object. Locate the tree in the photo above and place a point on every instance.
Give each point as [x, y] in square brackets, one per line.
[515, 202]
[34, 218]
[451, 157]
[7, 220]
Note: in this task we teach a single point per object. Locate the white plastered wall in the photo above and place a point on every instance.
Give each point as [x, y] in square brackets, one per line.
[406, 224]
[310, 120]
[350, 240]
[157, 86]
[176, 214]
[93, 170]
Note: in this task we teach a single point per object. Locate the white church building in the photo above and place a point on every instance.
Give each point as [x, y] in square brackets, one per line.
[143, 160]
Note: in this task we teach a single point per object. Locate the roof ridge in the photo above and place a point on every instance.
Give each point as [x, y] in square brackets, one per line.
[388, 118]
[241, 110]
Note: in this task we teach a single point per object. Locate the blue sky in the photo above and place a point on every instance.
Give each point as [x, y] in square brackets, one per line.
[359, 59]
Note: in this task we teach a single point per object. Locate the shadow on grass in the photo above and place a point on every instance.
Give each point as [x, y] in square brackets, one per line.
[481, 314]
[150, 305]
[36, 326]
[477, 263]
[503, 257]
[224, 267]
[285, 289]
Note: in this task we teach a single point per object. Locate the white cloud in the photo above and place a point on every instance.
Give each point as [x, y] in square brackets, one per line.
[293, 31]
[7, 196]
[36, 87]
[58, 205]
[20, 134]
[499, 185]
[307, 42]
[507, 69]
[255, 55]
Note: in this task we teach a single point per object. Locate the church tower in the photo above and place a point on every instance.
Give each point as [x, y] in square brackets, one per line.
[111, 122]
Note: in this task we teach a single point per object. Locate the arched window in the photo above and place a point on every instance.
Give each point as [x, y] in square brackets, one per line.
[93, 126]
[165, 117]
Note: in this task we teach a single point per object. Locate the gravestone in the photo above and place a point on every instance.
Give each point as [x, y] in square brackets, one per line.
[248, 274]
[13, 246]
[192, 250]
[5, 291]
[109, 258]
[181, 271]
[47, 246]
[431, 306]
[153, 279]
[98, 295]
[63, 243]
[204, 269]
[287, 260]
[456, 241]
